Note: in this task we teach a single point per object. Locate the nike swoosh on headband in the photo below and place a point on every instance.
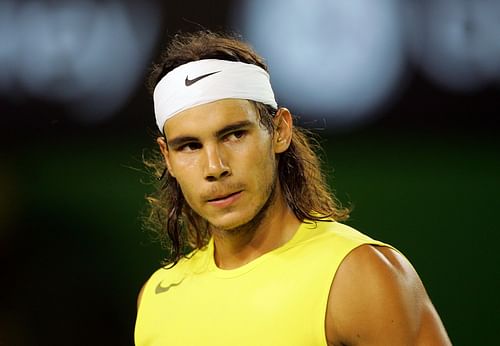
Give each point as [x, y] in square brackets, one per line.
[189, 82]
[160, 289]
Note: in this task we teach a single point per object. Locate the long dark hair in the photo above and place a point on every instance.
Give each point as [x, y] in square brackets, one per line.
[176, 225]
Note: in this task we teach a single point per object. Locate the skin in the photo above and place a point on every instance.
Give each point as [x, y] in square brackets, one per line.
[219, 148]
[377, 298]
[217, 157]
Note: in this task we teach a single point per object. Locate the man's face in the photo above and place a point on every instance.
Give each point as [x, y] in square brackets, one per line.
[223, 160]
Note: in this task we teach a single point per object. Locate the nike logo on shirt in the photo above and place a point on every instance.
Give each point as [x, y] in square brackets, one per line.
[160, 289]
[189, 82]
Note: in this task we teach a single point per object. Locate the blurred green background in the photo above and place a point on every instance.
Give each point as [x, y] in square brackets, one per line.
[74, 255]
[423, 175]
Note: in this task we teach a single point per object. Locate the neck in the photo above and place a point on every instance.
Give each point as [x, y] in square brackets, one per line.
[235, 248]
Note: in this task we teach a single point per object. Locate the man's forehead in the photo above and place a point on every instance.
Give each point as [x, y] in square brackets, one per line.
[211, 117]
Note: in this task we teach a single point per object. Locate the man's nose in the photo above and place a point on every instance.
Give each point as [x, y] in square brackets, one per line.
[216, 165]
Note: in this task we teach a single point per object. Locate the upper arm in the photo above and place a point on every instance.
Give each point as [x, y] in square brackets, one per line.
[377, 298]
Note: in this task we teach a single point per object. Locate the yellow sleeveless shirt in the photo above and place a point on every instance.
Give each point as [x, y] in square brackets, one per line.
[278, 299]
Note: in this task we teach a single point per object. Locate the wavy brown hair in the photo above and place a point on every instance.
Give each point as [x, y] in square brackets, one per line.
[175, 224]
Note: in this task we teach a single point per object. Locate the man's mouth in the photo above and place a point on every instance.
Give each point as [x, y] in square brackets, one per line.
[224, 200]
[218, 198]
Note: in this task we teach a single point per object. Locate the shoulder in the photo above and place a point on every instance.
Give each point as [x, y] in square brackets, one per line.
[166, 273]
[378, 298]
[171, 273]
[337, 232]
[335, 238]
[139, 296]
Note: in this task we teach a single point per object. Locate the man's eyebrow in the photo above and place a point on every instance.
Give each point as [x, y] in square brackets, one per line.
[232, 127]
[179, 141]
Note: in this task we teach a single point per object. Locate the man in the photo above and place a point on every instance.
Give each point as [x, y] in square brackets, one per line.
[269, 263]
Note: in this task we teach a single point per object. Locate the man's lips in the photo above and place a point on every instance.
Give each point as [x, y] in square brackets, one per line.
[222, 196]
[225, 200]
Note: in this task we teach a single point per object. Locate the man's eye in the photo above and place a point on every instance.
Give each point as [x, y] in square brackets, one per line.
[189, 147]
[236, 134]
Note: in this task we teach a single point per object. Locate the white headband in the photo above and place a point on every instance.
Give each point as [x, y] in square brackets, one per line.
[203, 81]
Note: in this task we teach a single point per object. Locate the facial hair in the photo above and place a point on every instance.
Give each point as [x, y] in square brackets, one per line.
[249, 228]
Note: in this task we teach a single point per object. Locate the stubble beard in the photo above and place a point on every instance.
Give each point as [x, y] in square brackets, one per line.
[249, 228]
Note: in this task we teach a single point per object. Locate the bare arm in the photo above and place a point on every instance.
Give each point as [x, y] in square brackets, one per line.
[377, 298]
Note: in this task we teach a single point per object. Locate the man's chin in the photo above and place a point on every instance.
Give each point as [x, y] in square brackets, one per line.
[231, 221]
[239, 225]
[227, 225]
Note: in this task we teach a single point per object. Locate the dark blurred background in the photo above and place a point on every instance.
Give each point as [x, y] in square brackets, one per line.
[404, 95]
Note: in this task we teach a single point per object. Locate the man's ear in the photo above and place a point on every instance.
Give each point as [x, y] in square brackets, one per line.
[283, 130]
[162, 143]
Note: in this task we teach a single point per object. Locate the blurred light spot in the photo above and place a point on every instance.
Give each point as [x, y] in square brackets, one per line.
[8, 39]
[336, 59]
[87, 55]
[456, 42]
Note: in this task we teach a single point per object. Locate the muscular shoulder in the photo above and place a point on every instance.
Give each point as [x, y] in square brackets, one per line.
[377, 298]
